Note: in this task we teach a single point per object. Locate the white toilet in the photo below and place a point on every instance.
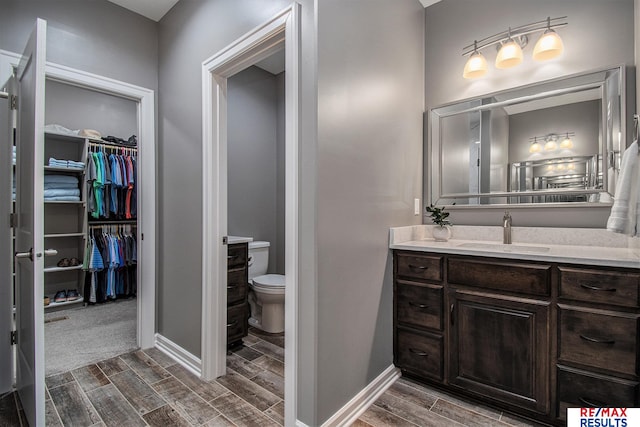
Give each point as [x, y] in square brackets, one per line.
[267, 296]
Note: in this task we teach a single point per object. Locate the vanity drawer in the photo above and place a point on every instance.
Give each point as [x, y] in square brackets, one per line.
[236, 286]
[599, 286]
[533, 279]
[420, 354]
[237, 317]
[601, 339]
[419, 306]
[422, 267]
[581, 389]
[237, 255]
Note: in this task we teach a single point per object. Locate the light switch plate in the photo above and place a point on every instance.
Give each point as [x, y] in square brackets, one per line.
[416, 207]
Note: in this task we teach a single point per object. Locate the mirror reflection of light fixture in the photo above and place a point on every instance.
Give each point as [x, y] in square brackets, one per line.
[566, 143]
[535, 146]
[549, 45]
[510, 54]
[510, 44]
[476, 65]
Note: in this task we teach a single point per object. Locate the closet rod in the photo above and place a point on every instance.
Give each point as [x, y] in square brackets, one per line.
[115, 222]
[111, 144]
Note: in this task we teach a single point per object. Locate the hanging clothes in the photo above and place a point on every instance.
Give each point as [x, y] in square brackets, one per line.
[111, 263]
[111, 182]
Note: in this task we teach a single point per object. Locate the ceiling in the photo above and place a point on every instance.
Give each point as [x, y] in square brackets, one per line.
[152, 9]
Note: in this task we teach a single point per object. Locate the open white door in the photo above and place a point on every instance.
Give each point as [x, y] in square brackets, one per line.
[6, 244]
[29, 231]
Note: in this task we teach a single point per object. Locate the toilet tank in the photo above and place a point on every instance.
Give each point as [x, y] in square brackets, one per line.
[258, 258]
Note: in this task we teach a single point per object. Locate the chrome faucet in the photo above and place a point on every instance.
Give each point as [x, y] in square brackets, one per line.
[506, 228]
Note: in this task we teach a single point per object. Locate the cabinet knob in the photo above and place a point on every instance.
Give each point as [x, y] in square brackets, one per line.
[418, 267]
[418, 352]
[417, 305]
[597, 340]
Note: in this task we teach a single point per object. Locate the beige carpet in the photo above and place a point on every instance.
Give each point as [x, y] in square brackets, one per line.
[79, 336]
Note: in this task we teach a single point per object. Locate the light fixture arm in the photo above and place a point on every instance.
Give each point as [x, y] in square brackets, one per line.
[516, 33]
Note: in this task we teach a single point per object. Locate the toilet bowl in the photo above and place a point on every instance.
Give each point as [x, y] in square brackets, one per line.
[266, 296]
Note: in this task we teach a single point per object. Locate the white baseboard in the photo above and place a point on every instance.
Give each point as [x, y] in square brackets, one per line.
[179, 354]
[350, 412]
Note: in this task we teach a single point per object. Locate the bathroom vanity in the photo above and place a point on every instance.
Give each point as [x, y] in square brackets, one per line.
[532, 328]
[237, 292]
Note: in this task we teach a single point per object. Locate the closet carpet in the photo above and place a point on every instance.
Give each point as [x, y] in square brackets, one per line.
[83, 335]
[148, 388]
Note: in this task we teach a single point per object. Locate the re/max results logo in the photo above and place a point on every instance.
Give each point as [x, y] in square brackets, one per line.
[603, 417]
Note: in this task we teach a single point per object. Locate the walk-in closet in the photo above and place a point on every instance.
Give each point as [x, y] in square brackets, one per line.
[90, 220]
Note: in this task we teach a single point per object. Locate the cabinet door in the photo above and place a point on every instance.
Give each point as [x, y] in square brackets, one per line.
[500, 348]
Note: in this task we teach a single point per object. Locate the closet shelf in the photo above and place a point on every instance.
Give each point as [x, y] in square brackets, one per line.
[54, 235]
[57, 269]
[53, 304]
[64, 170]
[63, 202]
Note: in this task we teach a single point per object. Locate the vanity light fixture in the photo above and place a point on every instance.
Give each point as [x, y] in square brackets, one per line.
[476, 65]
[551, 144]
[549, 45]
[510, 43]
[510, 54]
[535, 147]
[566, 143]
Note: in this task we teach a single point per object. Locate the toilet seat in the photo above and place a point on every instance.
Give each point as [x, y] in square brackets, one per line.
[269, 283]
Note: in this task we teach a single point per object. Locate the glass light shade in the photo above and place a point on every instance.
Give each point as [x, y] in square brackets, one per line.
[475, 67]
[548, 46]
[510, 55]
[566, 143]
[550, 145]
[535, 147]
[571, 166]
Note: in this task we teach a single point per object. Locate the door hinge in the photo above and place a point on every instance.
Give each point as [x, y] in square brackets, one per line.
[13, 220]
[14, 337]
[13, 103]
[141, 236]
[225, 240]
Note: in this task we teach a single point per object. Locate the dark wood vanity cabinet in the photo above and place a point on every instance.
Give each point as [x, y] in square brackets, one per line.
[531, 337]
[237, 292]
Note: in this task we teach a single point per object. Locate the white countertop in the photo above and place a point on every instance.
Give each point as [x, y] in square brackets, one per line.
[237, 239]
[564, 245]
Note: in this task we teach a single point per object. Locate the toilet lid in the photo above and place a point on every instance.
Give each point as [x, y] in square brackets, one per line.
[269, 281]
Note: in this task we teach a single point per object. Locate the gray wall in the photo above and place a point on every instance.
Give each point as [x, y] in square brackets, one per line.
[453, 24]
[78, 108]
[91, 35]
[254, 153]
[637, 40]
[370, 104]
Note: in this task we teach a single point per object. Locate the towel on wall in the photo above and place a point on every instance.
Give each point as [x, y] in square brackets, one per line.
[625, 213]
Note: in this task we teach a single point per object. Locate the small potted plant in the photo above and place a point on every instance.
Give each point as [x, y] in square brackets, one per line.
[441, 231]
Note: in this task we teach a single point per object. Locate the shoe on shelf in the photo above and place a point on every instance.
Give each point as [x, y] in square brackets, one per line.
[47, 301]
[61, 296]
[72, 295]
[74, 261]
[64, 262]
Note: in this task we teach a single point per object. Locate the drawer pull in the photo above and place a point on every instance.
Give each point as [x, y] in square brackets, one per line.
[595, 288]
[596, 340]
[234, 323]
[418, 267]
[452, 314]
[230, 257]
[418, 352]
[416, 305]
[592, 403]
[229, 287]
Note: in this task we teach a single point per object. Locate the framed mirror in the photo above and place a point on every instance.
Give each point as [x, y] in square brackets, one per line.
[557, 141]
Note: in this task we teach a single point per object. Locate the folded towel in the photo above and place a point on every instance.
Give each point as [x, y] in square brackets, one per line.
[66, 163]
[59, 185]
[61, 179]
[62, 199]
[625, 212]
[61, 192]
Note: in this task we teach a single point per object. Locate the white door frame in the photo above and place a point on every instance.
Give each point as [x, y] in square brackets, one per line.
[145, 99]
[284, 28]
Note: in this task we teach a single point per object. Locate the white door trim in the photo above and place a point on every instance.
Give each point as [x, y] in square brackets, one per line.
[244, 52]
[145, 99]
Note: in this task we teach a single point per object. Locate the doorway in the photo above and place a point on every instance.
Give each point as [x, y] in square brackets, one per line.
[283, 31]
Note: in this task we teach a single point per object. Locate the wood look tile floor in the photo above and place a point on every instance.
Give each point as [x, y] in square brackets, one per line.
[147, 388]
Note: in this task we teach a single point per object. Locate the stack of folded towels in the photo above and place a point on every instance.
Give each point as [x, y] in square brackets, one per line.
[61, 188]
[69, 164]
[14, 155]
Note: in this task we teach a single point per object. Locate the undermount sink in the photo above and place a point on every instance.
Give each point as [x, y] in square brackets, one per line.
[504, 248]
